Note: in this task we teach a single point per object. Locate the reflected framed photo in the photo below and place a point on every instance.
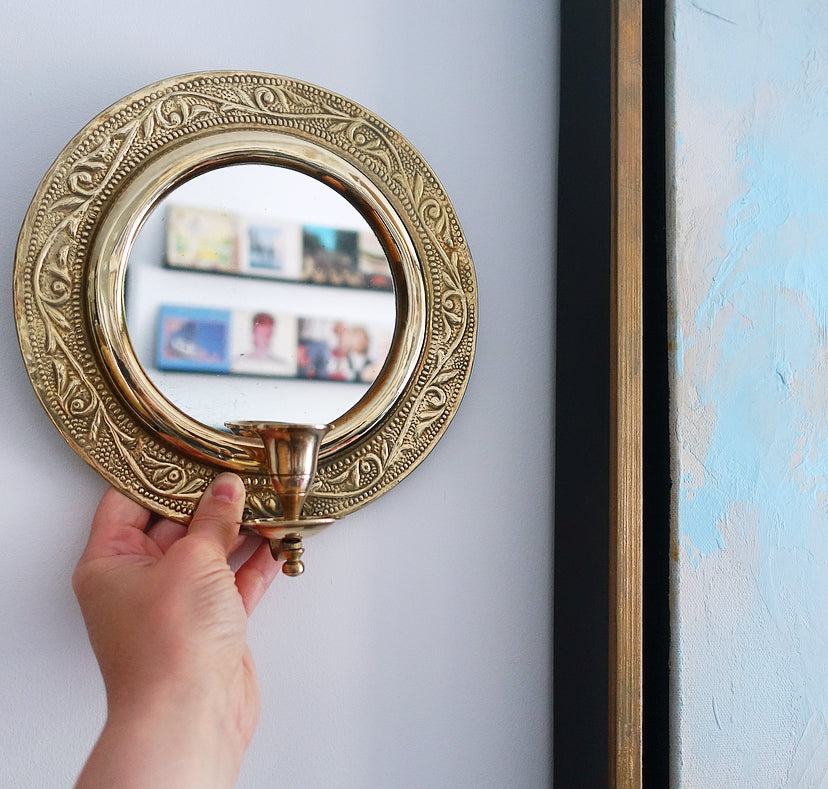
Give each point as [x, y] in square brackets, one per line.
[373, 263]
[202, 239]
[264, 343]
[329, 256]
[336, 350]
[274, 250]
[193, 339]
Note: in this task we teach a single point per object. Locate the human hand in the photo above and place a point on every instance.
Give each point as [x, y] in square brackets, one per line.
[167, 620]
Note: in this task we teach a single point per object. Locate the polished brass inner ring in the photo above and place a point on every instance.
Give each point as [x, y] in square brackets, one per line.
[133, 205]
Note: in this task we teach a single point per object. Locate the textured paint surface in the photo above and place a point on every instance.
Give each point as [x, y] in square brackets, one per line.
[749, 140]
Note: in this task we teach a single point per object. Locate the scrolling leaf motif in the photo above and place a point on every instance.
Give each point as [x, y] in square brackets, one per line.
[261, 504]
[433, 401]
[54, 268]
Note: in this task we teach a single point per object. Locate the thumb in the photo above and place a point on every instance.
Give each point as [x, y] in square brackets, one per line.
[218, 515]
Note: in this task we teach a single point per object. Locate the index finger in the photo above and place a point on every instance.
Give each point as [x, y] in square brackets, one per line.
[118, 526]
[255, 576]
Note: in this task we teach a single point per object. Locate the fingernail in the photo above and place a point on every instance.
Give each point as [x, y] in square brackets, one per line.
[226, 487]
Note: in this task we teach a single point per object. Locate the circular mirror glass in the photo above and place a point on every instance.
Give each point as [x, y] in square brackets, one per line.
[255, 291]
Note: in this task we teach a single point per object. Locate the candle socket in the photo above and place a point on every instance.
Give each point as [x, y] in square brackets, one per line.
[291, 454]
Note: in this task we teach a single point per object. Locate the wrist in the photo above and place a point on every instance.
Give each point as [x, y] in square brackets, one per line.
[182, 736]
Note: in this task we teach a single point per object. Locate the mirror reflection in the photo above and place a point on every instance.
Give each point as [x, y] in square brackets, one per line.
[257, 292]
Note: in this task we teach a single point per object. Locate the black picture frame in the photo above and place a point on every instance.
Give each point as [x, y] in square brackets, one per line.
[587, 631]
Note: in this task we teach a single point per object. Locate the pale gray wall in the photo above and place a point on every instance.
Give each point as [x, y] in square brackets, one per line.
[415, 651]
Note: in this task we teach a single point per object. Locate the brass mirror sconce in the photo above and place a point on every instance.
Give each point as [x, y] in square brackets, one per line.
[70, 280]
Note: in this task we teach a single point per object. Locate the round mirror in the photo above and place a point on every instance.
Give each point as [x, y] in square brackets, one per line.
[176, 270]
[255, 291]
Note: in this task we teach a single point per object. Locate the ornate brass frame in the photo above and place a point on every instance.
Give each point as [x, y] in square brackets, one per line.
[69, 274]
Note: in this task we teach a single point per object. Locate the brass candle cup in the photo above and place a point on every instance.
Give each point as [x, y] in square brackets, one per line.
[291, 455]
